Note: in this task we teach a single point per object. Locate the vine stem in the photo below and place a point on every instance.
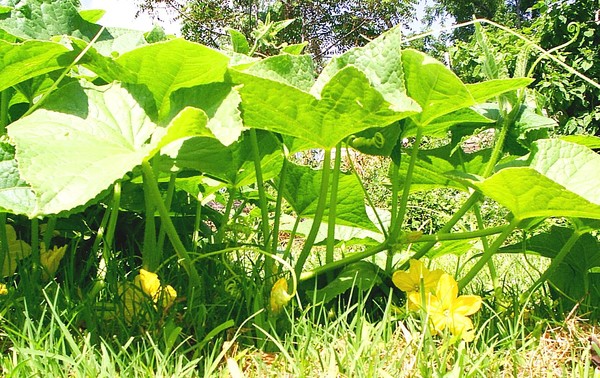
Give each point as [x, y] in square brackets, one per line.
[225, 219]
[383, 246]
[343, 262]
[149, 249]
[168, 201]
[398, 218]
[335, 178]
[35, 249]
[154, 193]
[64, 73]
[3, 241]
[321, 204]
[3, 111]
[367, 195]
[112, 221]
[487, 255]
[278, 204]
[263, 204]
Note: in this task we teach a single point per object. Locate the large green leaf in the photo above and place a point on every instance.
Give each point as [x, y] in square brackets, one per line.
[348, 104]
[572, 277]
[233, 164]
[15, 195]
[168, 66]
[85, 138]
[381, 62]
[302, 189]
[22, 61]
[557, 179]
[295, 70]
[590, 141]
[492, 88]
[42, 19]
[464, 120]
[361, 276]
[432, 167]
[435, 88]
[220, 102]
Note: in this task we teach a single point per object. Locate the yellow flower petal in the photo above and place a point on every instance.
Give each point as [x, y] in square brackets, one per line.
[404, 281]
[149, 282]
[462, 326]
[50, 260]
[167, 296]
[411, 280]
[3, 289]
[17, 250]
[446, 290]
[467, 304]
[279, 295]
[447, 310]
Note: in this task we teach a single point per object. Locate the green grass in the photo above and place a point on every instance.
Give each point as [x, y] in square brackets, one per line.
[354, 338]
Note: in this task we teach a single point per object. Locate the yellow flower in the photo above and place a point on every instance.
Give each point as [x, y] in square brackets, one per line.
[17, 250]
[446, 309]
[150, 285]
[148, 281]
[143, 294]
[3, 289]
[279, 295]
[50, 259]
[411, 281]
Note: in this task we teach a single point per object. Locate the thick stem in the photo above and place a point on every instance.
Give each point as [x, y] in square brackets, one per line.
[3, 242]
[161, 233]
[487, 255]
[321, 204]
[197, 221]
[343, 262]
[278, 204]
[331, 216]
[225, 219]
[149, 258]
[35, 249]
[3, 111]
[260, 186]
[112, 220]
[184, 258]
[399, 218]
[263, 203]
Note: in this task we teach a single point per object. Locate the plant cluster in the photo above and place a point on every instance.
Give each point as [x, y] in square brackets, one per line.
[120, 141]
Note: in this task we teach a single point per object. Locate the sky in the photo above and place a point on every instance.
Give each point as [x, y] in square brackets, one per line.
[121, 13]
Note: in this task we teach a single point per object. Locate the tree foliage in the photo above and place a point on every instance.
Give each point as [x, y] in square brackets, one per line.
[328, 26]
[572, 102]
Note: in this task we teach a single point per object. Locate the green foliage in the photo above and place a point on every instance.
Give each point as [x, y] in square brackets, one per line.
[566, 25]
[327, 27]
[120, 144]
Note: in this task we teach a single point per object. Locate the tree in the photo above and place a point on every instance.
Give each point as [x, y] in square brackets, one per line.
[329, 26]
[567, 98]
